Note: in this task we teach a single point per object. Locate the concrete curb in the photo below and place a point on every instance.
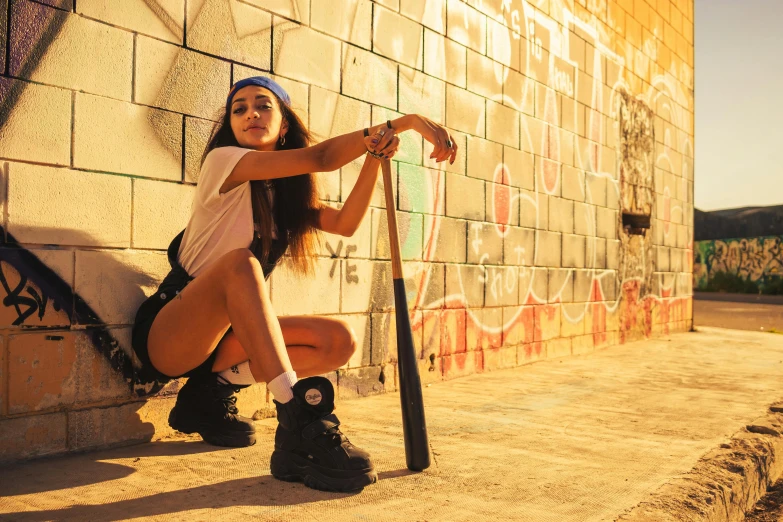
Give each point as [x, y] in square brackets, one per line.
[726, 482]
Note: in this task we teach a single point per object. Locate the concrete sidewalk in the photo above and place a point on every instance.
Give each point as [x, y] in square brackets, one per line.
[632, 432]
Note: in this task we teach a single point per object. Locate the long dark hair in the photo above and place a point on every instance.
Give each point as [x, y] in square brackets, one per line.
[296, 197]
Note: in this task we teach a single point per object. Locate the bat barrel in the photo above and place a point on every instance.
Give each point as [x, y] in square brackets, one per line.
[414, 424]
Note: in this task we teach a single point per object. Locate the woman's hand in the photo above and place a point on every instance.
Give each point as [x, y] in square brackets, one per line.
[384, 142]
[445, 146]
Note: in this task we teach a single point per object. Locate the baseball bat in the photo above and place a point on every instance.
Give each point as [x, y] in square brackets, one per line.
[414, 426]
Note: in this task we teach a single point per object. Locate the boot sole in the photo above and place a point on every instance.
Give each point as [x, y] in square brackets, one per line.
[293, 468]
[232, 440]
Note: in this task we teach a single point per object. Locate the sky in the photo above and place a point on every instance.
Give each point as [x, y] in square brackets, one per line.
[739, 103]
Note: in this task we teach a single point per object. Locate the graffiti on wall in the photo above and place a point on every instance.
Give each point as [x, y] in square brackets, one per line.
[491, 302]
[756, 259]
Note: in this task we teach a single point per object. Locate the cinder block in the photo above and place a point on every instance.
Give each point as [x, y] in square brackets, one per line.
[572, 320]
[518, 92]
[25, 135]
[573, 251]
[114, 284]
[547, 322]
[394, 5]
[381, 290]
[464, 197]
[585, 219]
[518, 246]
[50, 370]
[348, 20]
[502, 44]
[502, 204]
[501, 286]
[431, 14]
[332, 115]
[302, 54]
[675, 263]
[104, 54]
[165, 20]
[534, 135]
[421, 190]
[349, 174]
[485, 77]
[529, 213]
[596, 189]
[25, 437]
[197, 134]
[409, 230]
[573, 183]
[584, 282]
[606, 223]
[519, 168]
[321, 289]
[613, 194]
[451, 239]
[432, 277]
[609, 284]
[382, 90]
[548, 178]
[179, 80]
[465, 111]
[547, 106]
[462, 364]
[613, 254]
[485, 244]
[533, 285]
[573, 117]
[116, 136]
[465, 286]
[397, 37]
[104, 427]
[548, 248]
[502, 124]
[452, 331]
[595, 252]
[160, 211]
[422, 94]
[444, 58]
[83, 208]
[484, 158]
[296, 10]
[519, 325]
[561, 216]
[356, 291]
[466, 25]
[491, 329]
[212, 28]
[560, 285]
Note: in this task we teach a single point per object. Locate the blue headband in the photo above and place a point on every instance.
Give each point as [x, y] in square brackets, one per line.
[261, 81]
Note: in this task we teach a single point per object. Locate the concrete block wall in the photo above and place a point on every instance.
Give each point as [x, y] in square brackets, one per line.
[572, 116]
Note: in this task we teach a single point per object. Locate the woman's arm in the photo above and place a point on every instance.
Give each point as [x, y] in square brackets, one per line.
[333, 153]
[346, 220]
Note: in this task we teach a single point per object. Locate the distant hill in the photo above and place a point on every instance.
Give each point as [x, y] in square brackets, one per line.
[738, 222]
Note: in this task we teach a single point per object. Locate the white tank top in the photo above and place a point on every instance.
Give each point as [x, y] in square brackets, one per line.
[218, 222]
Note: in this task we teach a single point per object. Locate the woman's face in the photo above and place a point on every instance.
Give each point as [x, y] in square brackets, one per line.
[256, 118]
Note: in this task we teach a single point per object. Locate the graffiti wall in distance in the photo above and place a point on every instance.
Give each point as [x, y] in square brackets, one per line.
[755, 259]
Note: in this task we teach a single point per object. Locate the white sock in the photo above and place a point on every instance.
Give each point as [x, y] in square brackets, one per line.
[239, 374]
[281, 386]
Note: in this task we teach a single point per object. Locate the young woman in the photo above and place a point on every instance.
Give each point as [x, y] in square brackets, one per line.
[211, 319]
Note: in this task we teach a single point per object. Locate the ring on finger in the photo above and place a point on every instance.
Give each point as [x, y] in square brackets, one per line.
[449, 144]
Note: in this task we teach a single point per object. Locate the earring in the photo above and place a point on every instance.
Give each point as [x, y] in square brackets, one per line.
[282, 140]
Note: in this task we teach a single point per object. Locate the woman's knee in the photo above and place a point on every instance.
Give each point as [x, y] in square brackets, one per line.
[344, 342]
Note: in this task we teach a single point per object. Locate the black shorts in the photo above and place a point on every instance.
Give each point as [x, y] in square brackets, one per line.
[172, 285]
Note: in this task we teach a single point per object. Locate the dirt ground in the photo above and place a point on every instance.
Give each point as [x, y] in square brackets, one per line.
[769, 508]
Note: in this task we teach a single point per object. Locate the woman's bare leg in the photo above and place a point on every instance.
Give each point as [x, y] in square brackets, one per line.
[316, 345]
[231, 292]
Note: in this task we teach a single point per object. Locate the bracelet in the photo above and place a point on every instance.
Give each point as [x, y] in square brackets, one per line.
[366, 132]
[388, 123]
[376, 155]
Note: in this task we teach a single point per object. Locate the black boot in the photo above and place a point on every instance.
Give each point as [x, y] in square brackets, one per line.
[309, 446]
[207, 405]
